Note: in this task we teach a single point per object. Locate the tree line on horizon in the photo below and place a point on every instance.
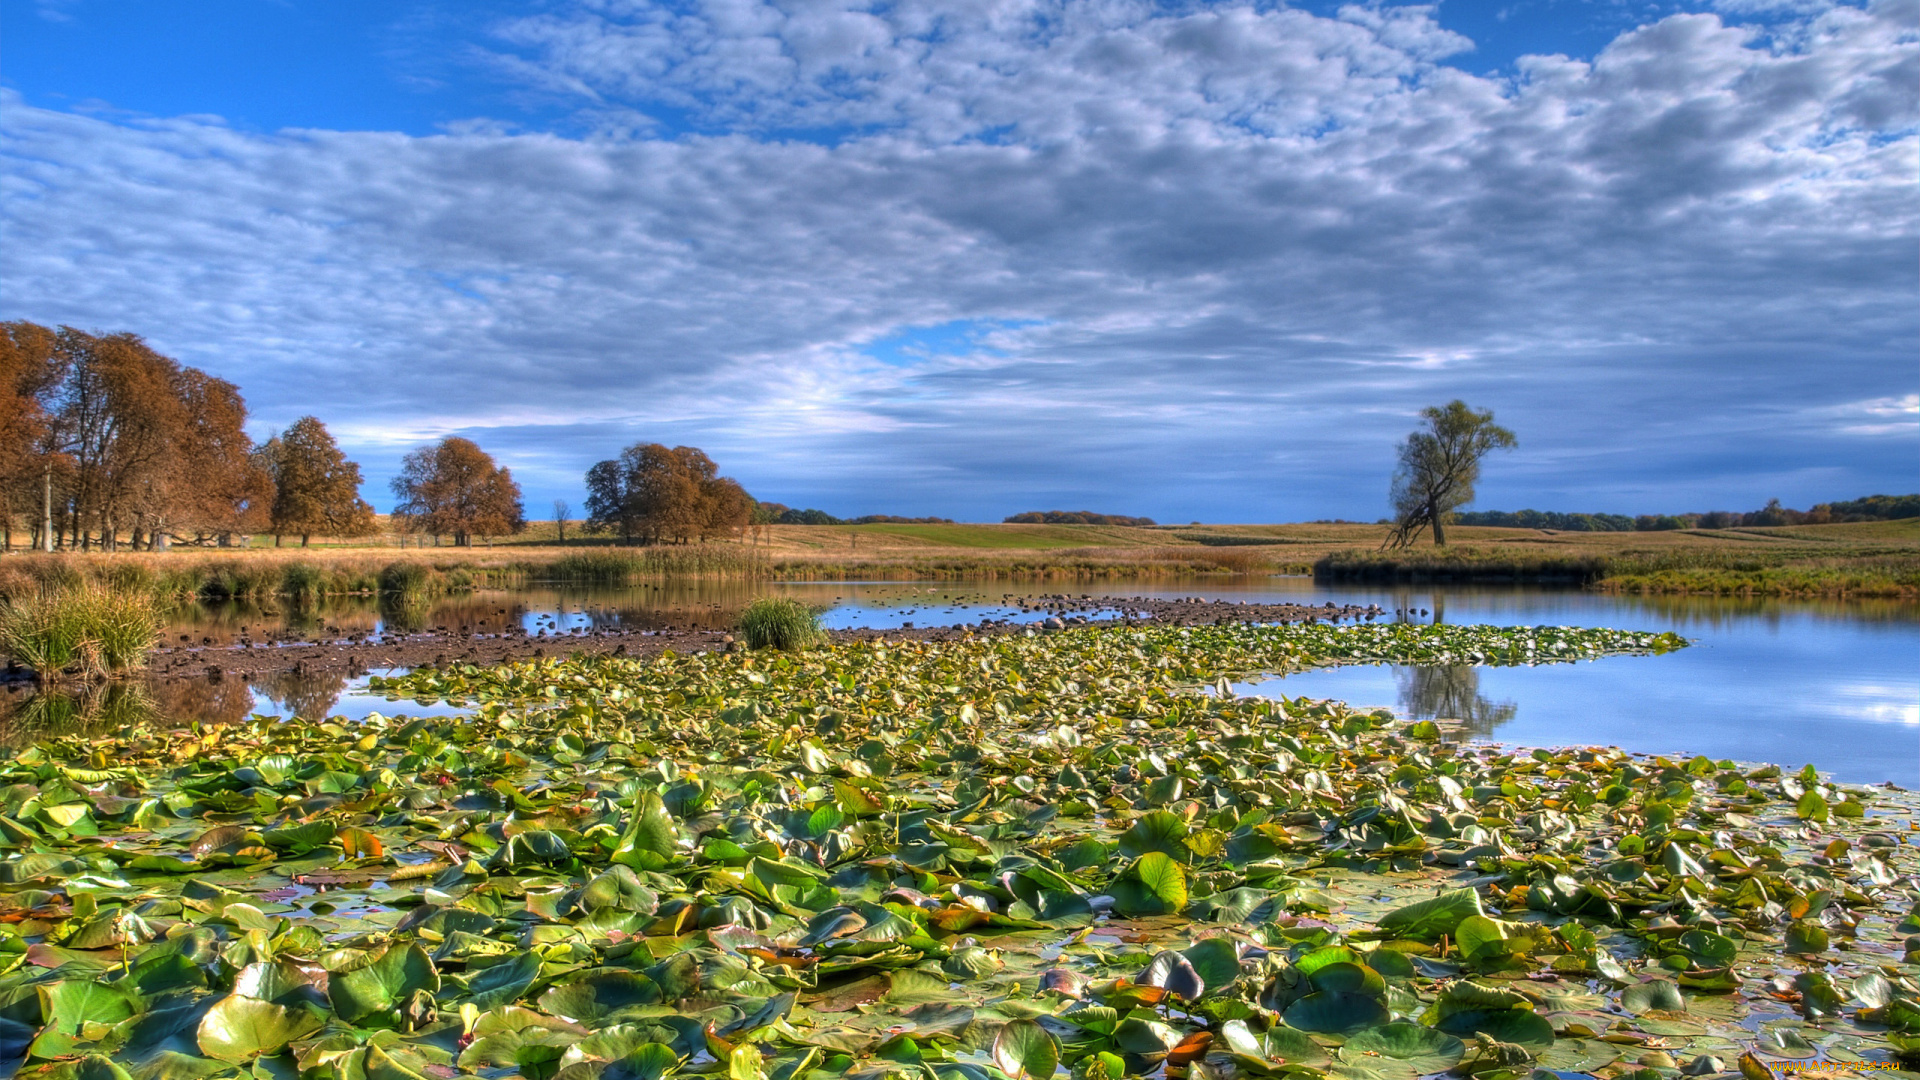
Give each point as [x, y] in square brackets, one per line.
[1867, 508]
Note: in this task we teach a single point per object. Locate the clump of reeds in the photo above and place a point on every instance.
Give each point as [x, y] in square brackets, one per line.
[408, 579]
[779, 623]
[90, 632]
[303, 582]
[592, 567]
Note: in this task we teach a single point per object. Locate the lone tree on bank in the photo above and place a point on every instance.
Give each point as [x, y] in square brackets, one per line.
[454, 488]
[655, 494]
[316, 489]
[1438, 468]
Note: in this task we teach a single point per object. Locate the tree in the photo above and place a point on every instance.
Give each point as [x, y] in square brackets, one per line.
[655, 493]
[31, 369]
[1438, 468]
[560, 512]
[123, 420]
[454, 488]
[316, 489]
[215, 485]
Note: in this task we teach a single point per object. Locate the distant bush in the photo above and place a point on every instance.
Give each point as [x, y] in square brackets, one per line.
[1547, 519]
[1076, 517]
[893, 519]
[1870, 508]
[806, 517]
[1874, 508]
[779, 623]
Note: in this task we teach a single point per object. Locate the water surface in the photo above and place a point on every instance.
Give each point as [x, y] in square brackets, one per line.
[1832, 683]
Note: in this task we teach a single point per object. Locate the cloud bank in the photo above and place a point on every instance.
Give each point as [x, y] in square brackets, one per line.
[1194, 264]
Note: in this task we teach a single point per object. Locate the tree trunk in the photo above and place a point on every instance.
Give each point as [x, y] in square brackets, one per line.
[304, 537]
[276, 539]
[46, 509]
[1439, 530]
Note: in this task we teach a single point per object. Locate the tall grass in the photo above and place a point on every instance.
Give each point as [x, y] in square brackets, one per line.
[619, 566]
[1461, 564]
[779, 623]
[90, 632]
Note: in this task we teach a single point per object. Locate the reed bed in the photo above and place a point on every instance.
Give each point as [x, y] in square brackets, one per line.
[88, 632]
[301, 577]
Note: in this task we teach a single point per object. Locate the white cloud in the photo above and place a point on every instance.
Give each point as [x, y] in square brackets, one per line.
[1210, 239]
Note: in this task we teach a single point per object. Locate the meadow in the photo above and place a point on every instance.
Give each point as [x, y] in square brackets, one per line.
[1868, 559]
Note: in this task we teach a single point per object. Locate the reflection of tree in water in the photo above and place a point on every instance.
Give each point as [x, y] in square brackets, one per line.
[1450, 693]
[307, 694]
[209, 701]
[51, 712]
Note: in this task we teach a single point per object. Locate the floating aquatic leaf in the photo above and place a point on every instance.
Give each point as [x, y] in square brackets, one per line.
[1024, 1049]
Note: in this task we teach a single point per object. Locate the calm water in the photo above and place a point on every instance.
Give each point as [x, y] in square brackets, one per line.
[1835, 684]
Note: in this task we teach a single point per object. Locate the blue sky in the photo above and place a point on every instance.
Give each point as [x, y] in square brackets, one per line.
[1195, 261]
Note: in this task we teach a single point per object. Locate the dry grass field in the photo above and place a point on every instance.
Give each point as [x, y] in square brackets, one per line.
[1869, 558]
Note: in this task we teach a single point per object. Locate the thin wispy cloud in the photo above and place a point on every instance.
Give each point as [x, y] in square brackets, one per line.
[1204, 263]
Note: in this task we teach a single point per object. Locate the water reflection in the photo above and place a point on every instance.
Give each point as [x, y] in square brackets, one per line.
[27, 716]
[309, 694]
[1451, 692]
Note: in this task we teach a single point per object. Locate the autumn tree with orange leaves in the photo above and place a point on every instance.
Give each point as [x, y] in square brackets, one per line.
[453, 488]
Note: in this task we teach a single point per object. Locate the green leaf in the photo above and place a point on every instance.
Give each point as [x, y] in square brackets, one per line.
[1430, 920]
[590, 1000]
[1163, 878]
[1216, 960]
[1421, 1049]
[1519, 1026]
[650, 830]
[380, 986]
[1336, 1012]
[1806, 936]
[1156, 831]
[649, 1062]
[503, 983]
[79, 1012]
[1024, 1049]
[239, 1029]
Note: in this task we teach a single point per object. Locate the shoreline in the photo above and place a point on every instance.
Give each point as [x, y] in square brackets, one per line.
[247, 658]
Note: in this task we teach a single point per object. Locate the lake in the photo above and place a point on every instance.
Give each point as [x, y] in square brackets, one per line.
[1833, 683]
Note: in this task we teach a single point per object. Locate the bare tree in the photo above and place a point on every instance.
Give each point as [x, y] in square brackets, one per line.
[560, 512]
[1438, 468]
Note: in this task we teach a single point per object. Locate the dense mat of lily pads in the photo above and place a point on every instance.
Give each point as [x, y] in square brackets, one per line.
[1018, 856]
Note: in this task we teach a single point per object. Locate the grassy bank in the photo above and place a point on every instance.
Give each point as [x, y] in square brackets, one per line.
[298, 576]
[1862, 559]
[1785, 562]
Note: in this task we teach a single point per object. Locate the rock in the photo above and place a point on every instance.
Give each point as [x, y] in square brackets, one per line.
[1054, 622]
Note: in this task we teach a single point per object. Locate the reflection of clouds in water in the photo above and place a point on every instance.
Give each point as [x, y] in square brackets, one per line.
[1450, 693]
[1877, 703]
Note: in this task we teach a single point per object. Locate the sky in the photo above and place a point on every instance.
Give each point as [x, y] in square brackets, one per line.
[1195, 261]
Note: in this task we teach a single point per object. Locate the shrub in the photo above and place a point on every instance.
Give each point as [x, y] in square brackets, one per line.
[303, 582]
[407, 579]
[775, 622]
[92, 631]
